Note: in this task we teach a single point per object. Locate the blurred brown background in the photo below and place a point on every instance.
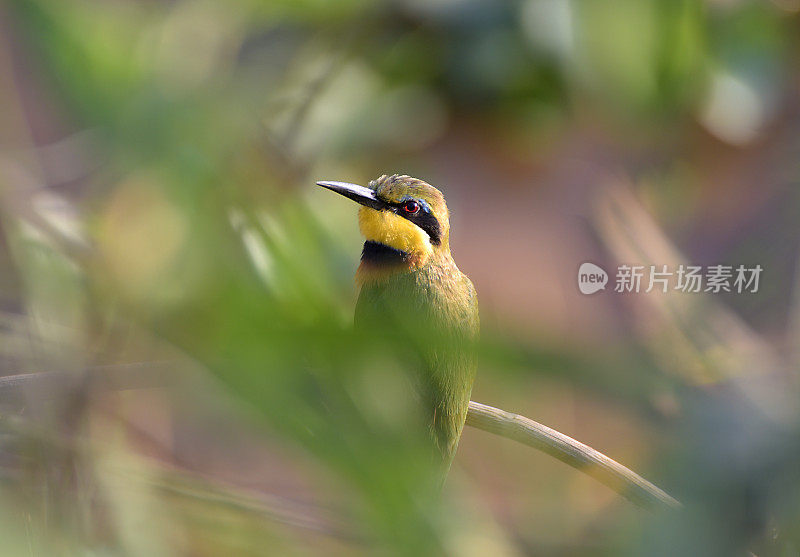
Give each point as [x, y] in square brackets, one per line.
[157, 162]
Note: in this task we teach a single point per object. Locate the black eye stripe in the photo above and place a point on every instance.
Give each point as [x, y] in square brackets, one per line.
[429, 224]
[422, 218]
[426, 221]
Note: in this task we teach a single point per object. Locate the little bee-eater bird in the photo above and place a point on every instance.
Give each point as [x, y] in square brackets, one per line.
[410, 288]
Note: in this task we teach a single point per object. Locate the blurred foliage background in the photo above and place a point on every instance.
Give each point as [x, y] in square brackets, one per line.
[159, 222]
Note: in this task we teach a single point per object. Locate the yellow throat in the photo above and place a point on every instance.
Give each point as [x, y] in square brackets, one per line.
[396, 232]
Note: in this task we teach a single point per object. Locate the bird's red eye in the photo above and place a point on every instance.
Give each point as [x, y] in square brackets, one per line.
[411, 207]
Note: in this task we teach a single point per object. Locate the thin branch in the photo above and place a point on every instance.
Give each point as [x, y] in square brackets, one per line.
[480, 416]
[566, 449]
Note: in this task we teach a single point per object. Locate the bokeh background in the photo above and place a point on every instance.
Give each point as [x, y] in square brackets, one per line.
[169, 264]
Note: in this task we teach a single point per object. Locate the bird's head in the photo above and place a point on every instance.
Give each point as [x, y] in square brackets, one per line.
[401, 212]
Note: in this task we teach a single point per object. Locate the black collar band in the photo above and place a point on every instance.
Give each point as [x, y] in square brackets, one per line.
[375, 253]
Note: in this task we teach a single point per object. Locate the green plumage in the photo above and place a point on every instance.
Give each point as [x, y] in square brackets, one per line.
[433, 312]
[413, 295]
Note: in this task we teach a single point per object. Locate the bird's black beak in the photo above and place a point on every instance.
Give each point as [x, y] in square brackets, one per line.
[359, 194]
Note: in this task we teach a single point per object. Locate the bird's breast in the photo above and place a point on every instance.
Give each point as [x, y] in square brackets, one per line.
[379, 262]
